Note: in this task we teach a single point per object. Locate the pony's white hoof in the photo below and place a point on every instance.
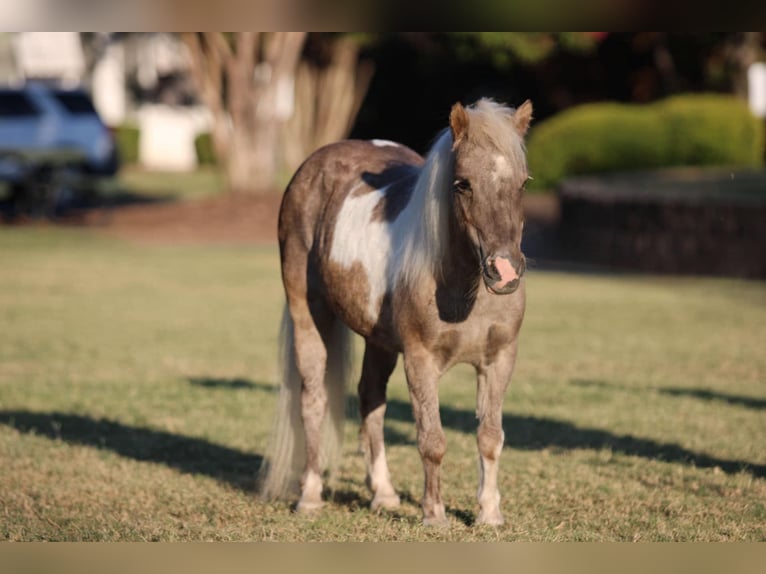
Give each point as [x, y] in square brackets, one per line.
[309, 506]
[388, 502]
[437, 518]
[490, 518]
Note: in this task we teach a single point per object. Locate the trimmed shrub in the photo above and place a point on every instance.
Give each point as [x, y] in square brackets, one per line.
[126, 137]
[684, 130]
[706, 129]
[203, 143]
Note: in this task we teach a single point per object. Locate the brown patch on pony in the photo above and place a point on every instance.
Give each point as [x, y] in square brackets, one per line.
[392, 174]
[354, 282]
[396, 196]
[382, 333]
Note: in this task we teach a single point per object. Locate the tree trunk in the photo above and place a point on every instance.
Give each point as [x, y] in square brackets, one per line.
[270, 110]
[741, 54]
[328, 98]
[246, 79]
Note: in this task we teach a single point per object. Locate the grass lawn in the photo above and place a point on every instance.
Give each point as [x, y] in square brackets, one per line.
[158, 185]
[137, 385]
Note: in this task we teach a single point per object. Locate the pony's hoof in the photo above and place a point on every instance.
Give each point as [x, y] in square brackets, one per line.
[436, 522]
[389, 502]
[309, 506]
[434, 515]
[490, 518]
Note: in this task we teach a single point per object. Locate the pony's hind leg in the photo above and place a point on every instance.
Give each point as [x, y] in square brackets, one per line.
[311, 360]
[376, 369]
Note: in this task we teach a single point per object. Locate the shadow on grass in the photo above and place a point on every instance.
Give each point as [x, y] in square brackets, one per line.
[537, 433]
[707, 395]
[702, 394]
[239, 469]
[230, 384]
[354, 502]
[22, 203]
[185, 454]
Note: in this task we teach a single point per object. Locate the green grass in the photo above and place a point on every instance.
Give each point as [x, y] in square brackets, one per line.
[203, 182]
[137, 385]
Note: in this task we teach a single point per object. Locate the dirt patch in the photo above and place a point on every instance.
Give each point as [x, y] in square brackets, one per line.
[225, 218]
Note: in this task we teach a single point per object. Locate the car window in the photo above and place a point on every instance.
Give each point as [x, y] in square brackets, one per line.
[76, 103]
[15, 104]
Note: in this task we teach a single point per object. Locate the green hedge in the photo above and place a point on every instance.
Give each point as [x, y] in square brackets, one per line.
[126, 137]
[203, 143]
[699, 129]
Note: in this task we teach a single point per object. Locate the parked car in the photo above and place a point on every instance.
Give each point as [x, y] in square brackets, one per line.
[51, 139]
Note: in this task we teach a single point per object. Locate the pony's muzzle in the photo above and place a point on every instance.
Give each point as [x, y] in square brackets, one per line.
[502, 275]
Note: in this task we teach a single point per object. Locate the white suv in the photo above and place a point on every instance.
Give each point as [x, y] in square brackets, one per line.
[37, 118]
[54, 150]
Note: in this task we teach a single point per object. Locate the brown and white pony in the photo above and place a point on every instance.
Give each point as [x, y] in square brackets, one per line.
[376, 239]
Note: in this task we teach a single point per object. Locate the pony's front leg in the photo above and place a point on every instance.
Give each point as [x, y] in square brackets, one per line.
[493, 380]
[422, 381]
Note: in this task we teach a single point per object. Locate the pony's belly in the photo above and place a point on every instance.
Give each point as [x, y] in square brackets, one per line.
[348, 290]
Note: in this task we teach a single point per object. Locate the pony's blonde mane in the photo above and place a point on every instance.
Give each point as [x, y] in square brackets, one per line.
[425, 222]
[494, 122]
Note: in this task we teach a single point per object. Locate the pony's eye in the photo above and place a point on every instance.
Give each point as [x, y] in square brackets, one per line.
[462, 186]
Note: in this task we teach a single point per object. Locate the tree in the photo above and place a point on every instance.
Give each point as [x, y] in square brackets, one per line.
[330, 85]
[529, 48]
[742, 50]
[246, 79]
[271, 103]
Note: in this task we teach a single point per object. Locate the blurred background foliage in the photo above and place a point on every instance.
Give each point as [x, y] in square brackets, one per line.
[419, 75]
[685, 130]
[400, 86]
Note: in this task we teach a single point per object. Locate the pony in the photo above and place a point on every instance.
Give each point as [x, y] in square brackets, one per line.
[421, 257]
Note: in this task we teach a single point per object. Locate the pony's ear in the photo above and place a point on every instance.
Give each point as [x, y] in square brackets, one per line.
[522, 116]
[458, 123]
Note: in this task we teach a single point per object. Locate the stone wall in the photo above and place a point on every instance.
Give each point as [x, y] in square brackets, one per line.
[680, 221]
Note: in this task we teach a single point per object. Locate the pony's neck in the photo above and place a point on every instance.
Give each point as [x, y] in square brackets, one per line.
[457, 286]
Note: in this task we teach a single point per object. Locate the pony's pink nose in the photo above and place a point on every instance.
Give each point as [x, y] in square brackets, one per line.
[505, 270]
[501, 276]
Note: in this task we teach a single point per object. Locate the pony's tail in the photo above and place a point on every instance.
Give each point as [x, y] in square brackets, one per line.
[286, 455]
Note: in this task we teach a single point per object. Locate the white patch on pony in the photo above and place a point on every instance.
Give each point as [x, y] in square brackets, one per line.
[380, 482]
[311, 495]
[359, 239]
[380, 477]
[406, 249]
[384, 143]
[489, 495]
[502, 168]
